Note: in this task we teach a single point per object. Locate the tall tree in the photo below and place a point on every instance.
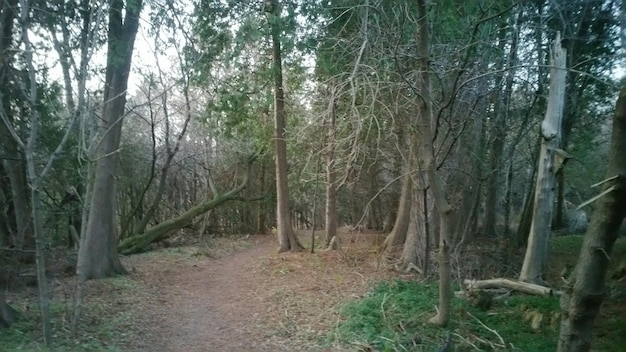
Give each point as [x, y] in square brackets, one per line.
[424, 125]
[537, 250]
[14, 160]
[98, 257]
[286, 236]
[584, 292]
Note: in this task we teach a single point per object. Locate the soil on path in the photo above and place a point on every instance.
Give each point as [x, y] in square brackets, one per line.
[208, 304]
[252, 299]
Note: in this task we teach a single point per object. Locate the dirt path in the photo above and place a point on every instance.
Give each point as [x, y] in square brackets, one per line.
[210, 304]
[251, 300]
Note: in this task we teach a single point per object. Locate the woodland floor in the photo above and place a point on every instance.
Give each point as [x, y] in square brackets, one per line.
[236, 294]
[248, 299]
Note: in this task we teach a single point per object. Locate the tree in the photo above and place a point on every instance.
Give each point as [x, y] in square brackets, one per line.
[97, 257]
[584, 291]
[286, 235]
[537, 250]
[428, 161]
[13, 160]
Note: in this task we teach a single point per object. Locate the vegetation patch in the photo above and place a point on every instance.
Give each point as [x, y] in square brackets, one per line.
[393, 315]
[108, 317]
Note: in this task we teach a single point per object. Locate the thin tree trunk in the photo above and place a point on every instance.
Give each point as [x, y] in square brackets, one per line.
[331, 169]
[537, 250]
[585, 291]
[97, 256]
[424, 125]
[286, 235]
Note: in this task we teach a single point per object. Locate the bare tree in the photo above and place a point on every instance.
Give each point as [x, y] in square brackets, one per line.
[537, 250]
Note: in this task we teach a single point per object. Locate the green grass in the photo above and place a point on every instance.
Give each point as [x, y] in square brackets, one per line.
[393, 316]
[105, 324]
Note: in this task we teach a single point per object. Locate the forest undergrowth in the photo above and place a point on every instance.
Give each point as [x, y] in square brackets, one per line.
[344, 300]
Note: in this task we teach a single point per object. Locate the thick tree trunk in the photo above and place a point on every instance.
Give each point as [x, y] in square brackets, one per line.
[537, 250]
[97, 256]
[585, 291]
[397, 236]
[416, 243]
[286, 236]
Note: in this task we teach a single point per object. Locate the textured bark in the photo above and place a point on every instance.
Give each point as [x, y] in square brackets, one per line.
[397, 236]
[416, 243]
[286, 236]
[537, 250]
[585, 291]
[427, 154]
[98, 257]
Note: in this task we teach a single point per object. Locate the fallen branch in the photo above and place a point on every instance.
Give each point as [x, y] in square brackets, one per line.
[512, 285]
[139, 243]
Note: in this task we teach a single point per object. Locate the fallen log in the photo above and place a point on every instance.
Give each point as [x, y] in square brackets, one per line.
[140, 242]
[520, 286]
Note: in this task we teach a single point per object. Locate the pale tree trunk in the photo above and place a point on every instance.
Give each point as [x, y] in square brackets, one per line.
[97, 256]
[415, 249]
[584, 292]
[427, 156]
[397, 236]
[331, 168]
[286, 236]
[537, 249]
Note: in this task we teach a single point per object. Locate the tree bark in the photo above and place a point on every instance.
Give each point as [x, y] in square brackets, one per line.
[537, 250]
[286, 236]
[426, 148]
[585, 291]
[97, 256]
[397, 236]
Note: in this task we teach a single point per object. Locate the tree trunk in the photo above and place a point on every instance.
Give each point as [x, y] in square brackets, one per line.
[97, 256]
[260, 223]
[523, 229]
[397, 236]
[537, 250]
[8, 315]
[13, 159]
[331, 170]
[286, 236]
[585, 291]
[161, 231]
[424, 126]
